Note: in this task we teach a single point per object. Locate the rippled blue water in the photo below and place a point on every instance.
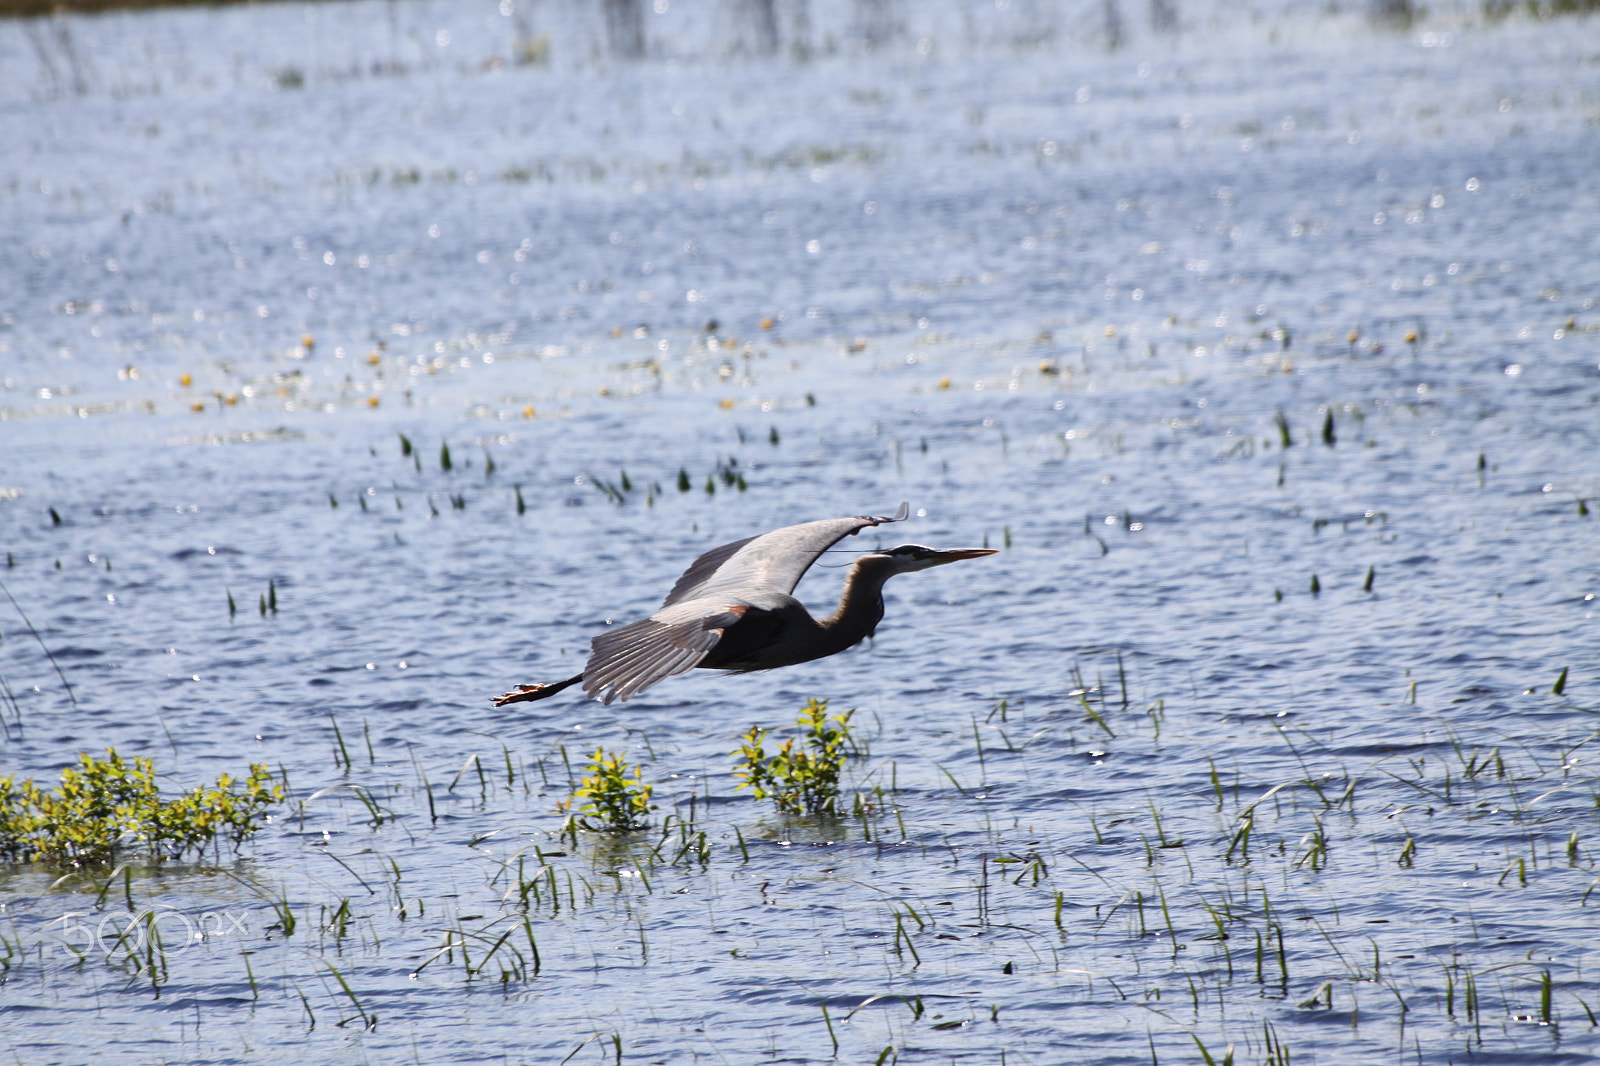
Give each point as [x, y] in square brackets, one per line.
[1135, 784]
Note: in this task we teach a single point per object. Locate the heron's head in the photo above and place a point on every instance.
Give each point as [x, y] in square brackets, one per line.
[910, 557]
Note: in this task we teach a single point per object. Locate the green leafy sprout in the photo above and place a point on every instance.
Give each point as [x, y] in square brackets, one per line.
[610, 801]
[803, 778]
[106, 808]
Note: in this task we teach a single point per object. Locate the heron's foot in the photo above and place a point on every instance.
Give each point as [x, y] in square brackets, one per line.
[522, 694]
[525, 693]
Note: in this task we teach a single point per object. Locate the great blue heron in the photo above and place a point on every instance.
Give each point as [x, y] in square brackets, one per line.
[733, 610]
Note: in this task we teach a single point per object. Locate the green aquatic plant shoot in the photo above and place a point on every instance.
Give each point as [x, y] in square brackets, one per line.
[803, 781]
[610, 801]
[107, 807]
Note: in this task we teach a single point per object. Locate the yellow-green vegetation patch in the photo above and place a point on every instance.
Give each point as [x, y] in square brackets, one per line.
[803, 780]
[106, 808]
[610, 801]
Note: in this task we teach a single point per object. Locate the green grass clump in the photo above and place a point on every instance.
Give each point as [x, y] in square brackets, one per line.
[803, 781]
[611, 802]
[108, 807]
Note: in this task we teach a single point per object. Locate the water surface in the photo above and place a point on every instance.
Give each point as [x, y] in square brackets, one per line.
[1261, 299]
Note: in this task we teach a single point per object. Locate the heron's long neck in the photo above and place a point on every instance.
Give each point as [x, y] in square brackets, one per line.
[860, 607]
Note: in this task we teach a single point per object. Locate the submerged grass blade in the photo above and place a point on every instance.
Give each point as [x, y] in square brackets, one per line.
[42, 645]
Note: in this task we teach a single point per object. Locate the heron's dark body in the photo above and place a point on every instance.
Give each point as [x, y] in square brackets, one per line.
[763, 640]
[747, 644]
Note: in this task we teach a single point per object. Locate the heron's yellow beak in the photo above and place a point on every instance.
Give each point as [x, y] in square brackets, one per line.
[951, 555]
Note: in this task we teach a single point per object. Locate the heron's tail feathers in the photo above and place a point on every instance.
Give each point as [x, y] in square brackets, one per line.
[528, 693]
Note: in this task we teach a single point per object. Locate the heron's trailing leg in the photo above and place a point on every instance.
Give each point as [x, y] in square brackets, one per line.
[527, 693]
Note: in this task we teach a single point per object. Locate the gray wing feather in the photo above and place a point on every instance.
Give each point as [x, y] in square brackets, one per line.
[630, 659]
[702, 569]
[772, 562]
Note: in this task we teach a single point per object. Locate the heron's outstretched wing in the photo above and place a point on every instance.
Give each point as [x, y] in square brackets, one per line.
[633, 657]
[772, 562]
[699, 573]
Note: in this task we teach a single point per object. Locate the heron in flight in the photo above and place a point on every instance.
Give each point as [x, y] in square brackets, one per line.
[734, 610]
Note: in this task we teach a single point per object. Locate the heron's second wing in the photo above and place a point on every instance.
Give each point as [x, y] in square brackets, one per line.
[699, 573]
[631, 658]
[772, 562]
